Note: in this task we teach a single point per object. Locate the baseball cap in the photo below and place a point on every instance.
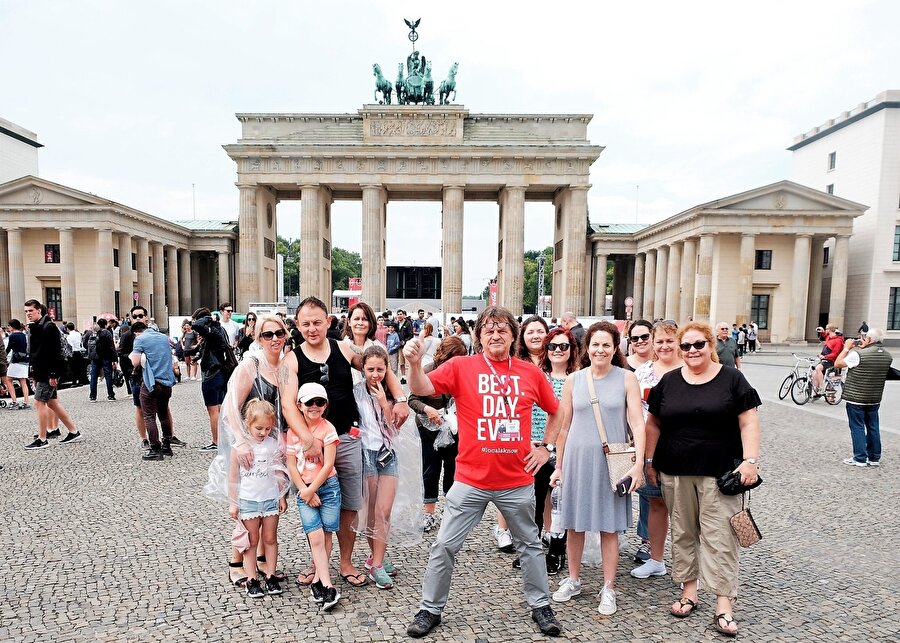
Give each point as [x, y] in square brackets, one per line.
[310, 391]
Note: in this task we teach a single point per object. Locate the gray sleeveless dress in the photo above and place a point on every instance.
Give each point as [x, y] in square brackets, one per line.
[587, 501]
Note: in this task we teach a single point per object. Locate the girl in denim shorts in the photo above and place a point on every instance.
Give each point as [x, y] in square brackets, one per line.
[379, 462]
[256, 493]
[318, 491]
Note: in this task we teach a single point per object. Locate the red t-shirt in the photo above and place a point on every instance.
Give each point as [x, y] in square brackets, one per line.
[836, 344]
[491, 451]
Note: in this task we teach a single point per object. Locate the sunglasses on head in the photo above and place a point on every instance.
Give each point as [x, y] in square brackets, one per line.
[696, 345]
[562, 347]
[640, 338]
[269, 334]
[316, 401]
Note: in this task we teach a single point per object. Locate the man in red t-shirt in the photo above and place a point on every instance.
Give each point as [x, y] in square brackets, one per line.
[834, 344]
[494, 394]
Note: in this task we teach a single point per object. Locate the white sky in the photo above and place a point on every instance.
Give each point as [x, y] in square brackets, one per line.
[694, 101]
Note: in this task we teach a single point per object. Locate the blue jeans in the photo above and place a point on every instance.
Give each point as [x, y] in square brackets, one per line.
[864, 431]
[106, 365]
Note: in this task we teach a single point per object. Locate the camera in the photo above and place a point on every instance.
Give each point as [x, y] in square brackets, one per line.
[385, 456]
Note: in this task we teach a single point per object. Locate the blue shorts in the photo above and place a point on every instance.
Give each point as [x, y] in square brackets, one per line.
[248, 509]
[213, 390]
[372, 467]
[648, 490]
[327, 515]
[136, 393]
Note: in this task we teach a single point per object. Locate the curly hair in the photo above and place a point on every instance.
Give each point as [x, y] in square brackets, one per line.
[618, 359]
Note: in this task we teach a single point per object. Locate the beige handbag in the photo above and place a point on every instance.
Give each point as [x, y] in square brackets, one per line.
[620, 456]
[744, 526]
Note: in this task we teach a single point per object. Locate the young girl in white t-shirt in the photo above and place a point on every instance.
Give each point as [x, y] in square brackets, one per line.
[379, 462]
[255, 494]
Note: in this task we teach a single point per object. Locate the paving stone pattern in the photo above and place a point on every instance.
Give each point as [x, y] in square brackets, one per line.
[101, 546]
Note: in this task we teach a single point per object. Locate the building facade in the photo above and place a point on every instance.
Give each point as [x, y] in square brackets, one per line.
[18, 151]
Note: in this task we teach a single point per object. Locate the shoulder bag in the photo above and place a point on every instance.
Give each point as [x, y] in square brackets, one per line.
[744, 526]
[620, 456]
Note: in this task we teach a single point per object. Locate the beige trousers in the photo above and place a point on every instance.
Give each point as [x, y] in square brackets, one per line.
[703, 544]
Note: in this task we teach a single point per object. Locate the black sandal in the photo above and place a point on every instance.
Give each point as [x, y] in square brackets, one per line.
[279, 574]
[238, 582]
[683, 602]
[729, 619]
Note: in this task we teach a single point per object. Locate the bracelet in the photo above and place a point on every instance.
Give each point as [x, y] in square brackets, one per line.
[648, 460]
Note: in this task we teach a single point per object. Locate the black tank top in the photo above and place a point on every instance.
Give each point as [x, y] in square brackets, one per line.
[342, 412]
[263, 389]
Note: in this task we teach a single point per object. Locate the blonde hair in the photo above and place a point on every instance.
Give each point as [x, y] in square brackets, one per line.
[261, 322]
[256, 410]
[707, 332]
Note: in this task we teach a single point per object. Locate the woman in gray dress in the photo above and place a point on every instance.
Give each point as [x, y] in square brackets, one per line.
[587, 501]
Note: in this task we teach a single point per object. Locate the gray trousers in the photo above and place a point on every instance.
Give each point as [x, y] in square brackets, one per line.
[463, 509]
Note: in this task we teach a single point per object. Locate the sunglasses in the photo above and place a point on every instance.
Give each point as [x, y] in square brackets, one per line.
[316, 401]
[138, 316]
[562, 347]
[323, 369]
[228, 310]
[251, 319]
[696, 345]
[269, 334]
[496, 326]
[640, 338]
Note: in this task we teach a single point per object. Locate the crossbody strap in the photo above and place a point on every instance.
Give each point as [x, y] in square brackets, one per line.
[595, 405]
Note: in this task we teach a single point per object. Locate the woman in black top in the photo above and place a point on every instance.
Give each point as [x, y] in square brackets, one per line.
[702, 420]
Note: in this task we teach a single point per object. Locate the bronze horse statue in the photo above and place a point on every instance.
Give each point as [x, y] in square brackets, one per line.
[400, 85]
[449, 85]
[382, 85]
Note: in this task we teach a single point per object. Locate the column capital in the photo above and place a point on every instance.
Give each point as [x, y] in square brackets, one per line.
[807, 235]
[453, 186]
[580, 187]
[749, 234]
[511, 186]
[63, 227]
[223, 252]
[245, 186]
[367, 186]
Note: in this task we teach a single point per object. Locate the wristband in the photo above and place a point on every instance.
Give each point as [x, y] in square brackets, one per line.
[648, 460]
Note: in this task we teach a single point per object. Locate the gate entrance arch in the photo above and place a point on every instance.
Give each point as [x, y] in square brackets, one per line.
[409, 152]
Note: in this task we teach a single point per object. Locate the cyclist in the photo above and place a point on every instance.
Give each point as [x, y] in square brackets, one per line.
[834, 343]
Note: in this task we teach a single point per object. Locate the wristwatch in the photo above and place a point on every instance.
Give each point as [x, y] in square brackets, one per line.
[751, 460]
[400, 399]
[550, 447]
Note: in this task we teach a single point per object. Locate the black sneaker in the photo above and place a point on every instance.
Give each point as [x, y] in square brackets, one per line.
[273, 586]
[111, 398]
[53, 434]
[166, 449]
[72, 437]
[555, 563]
[145, 443]
[317, 592]
[254, 589]
[642, 555]
[209, 448]
[423, 622]
[546, 621]
[92, 399]
[153, 453]
[37, 444]
[517, 563]
[175, 442]
[332, 596]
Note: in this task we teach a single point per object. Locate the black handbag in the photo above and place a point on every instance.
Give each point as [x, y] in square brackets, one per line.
[730, 482]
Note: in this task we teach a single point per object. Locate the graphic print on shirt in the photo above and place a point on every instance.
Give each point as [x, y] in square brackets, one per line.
[500, 408]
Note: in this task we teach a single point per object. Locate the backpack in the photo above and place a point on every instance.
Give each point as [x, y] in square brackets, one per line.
[92, 347]
[65, 346]
[227, 360]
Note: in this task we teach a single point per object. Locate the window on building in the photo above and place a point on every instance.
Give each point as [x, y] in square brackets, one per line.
[832, 160]
[763, 260]
[150, 262]
[759, 311]
[830, 188]
[54, 303]
[893, 320]
[134, 261]
[825, 253]
[118, 299]
[896, 255]
[51, 253]
[115, 258]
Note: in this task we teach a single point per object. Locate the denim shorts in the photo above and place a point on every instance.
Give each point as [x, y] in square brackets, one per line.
[648, 490]
[327, 515]
[136, 393]
[43, 392]
[257, 508]
[372, 467]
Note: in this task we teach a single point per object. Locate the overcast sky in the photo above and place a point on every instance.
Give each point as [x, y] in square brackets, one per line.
[693, 101]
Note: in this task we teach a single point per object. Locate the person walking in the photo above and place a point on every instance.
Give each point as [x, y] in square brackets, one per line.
[17, 355]
[102, 357]
[868, 365]
[156, 387]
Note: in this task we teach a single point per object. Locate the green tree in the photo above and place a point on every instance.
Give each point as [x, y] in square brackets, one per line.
[530, 286]
[344, 264]
[290, 249]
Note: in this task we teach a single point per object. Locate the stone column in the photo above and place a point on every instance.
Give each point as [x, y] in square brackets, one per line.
[374, 197]
[249, 279]
[105, 281]
[452, 214]
[650, 285]
[184, 282]
[599, 302]
[662, 268]
[5, 309]
[799, 289]
[838, 298]
[144, 279]
[326, 198]
[703, 287]
[225, 278]
[172, 282]
[814, 303]
[688, 275]
[309, 241]
[673, 285]
[745, 278]
[67, 275]
[16, 272]
[638, 286]
[512, 236]
[126, 274]
[159, 285]
[575, 220]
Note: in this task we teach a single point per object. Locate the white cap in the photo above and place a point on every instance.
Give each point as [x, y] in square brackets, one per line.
[310, 391]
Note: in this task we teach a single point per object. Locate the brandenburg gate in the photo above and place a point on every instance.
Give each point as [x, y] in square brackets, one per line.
[413, 152]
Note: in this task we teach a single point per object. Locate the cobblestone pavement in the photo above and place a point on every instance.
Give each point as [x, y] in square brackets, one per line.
[103, 547]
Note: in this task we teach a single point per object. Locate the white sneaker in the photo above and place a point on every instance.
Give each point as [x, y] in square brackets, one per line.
[568, 587]
[874, 463]
[854, 463]
[650, 568]
[607, 605]
[504, 539]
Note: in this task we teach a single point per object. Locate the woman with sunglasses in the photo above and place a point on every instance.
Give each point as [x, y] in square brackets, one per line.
[639, 343]
[653, 520]
[702, 422]
[256, 377]
[247, 334]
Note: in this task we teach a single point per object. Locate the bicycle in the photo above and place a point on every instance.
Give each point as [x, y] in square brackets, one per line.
[802, 390]
[793, 375]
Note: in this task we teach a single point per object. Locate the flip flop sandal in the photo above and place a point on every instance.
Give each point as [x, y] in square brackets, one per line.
[306, 578]
[237, 582]
[684, 601]
[278, 575]
[363, 583]
[729, 619]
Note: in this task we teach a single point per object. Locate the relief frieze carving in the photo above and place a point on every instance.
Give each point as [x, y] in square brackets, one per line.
[414, 128]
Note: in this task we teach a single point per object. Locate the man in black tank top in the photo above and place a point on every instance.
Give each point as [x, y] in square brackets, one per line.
[330, 363]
